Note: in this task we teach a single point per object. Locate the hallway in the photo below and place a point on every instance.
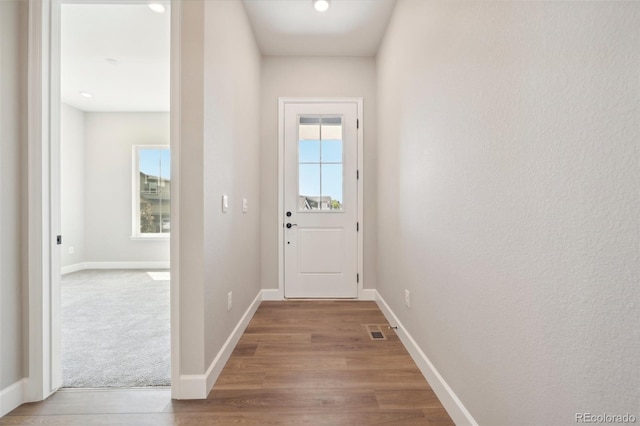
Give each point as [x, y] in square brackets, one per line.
[498, 224]
[298, 363]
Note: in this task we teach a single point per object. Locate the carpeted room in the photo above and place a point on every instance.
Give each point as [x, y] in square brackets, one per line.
[115, 329]
[115, 196]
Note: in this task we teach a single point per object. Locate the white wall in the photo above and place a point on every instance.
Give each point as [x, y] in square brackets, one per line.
[72, 186]
[219, 153]
[508, 201]
[315, 77]
[187, 245]
[109, 138]
[231, 166]
[12, 165]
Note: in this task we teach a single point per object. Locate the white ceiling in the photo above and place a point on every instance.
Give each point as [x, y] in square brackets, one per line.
[293, 27]
[138, 39]
[120, 52]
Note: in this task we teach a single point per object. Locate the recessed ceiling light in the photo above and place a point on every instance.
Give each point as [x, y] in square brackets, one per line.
[86, 95]
[156, 7]
[321, 5]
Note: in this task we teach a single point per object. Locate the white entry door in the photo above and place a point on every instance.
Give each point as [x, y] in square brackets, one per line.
[320, 222]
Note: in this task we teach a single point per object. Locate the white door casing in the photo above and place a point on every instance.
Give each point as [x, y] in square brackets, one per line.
[320, 198]
[44, 194]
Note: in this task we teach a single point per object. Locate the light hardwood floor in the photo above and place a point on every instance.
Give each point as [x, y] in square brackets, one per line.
[298, 363]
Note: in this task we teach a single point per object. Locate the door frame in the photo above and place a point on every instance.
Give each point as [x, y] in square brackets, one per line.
[282, 101]
[43, 213]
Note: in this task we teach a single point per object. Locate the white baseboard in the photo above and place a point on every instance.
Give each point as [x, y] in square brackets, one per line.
[458, 412]
[12, 396]
[276, 294]
[272, 294]
[72, 268]
[198, 386]
[191, 386]
[368, 294]
[220, 360]
[114, 265]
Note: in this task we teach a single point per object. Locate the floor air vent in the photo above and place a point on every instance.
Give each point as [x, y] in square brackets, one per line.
[375, 333]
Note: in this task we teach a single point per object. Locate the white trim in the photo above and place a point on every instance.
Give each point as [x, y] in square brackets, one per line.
[55, 195]
[39, 232]
[150, 237]
[368, 294]
[198, 386]
[360, 131]
[174, 143]
[214, 370]
[281, 103]
[13, 396]
[73, 268]
[272, 294]
[115, 265]
[42, 312]
[458, 412]
[192, 386]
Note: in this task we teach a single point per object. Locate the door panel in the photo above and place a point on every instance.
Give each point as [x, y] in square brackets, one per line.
[321, 196]
[320, 251]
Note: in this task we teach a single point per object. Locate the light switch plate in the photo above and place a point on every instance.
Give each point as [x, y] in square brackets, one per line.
[245, 205]
[225, 203]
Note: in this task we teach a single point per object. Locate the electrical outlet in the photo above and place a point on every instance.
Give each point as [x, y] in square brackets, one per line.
[407, 298]
[229, 300]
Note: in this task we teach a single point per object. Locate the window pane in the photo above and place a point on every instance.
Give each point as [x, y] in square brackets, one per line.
[309, 131]
[309, 151]
[320, 154]
[154, 171]
[309, 187]
[332, 186]
[331, 151]
[332, 128]
[165, 163]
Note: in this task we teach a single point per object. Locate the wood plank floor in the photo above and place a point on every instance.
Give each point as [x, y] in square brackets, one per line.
[298, 363]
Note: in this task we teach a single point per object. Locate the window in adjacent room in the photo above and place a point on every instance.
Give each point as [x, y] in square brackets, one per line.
[151, 191]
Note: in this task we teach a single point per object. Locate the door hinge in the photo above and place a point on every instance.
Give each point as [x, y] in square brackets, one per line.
[358, 226]
[358, 278]
[357, 123]
[357, 174]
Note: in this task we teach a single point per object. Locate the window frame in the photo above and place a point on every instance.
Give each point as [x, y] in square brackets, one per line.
[320, 163]
[135, 196]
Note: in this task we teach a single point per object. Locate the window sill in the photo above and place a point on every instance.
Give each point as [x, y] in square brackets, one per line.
[150, 237]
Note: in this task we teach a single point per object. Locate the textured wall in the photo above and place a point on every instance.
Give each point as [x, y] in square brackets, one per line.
[508, 201]
[315, 77]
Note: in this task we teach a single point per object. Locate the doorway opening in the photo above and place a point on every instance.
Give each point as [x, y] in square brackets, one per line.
[115, 187]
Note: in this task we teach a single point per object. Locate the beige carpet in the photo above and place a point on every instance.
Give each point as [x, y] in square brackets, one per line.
[115, 329]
